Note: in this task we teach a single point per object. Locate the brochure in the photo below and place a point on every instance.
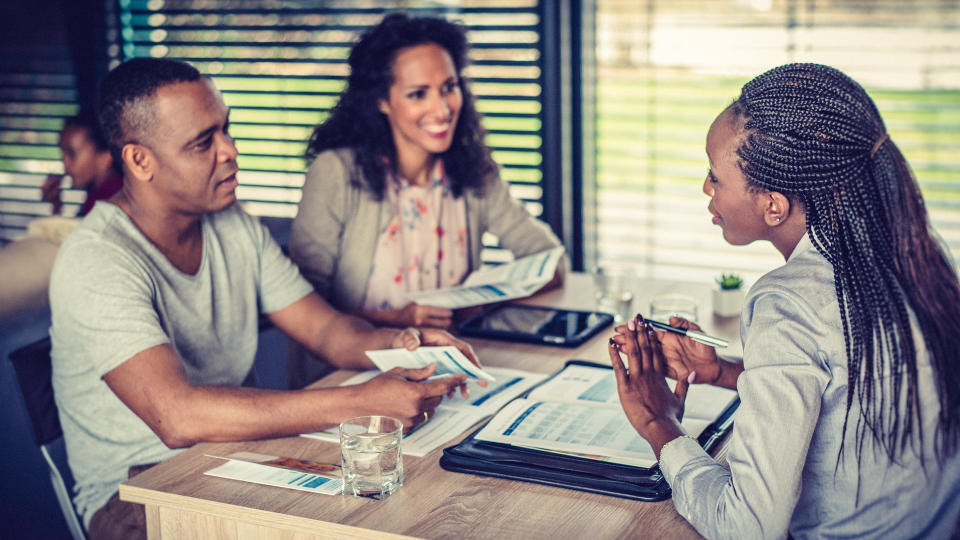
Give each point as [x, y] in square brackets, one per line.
[290, 473]
[449, 361]
[578, 413]
[517, 279]
[455, 414]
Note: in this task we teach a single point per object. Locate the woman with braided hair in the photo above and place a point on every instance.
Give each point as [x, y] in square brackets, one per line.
[849, 422]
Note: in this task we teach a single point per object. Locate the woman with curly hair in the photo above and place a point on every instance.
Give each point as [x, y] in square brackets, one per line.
[402, 186]
[849, 418]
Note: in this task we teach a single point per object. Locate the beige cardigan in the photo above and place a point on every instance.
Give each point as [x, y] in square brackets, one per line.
[334, 235]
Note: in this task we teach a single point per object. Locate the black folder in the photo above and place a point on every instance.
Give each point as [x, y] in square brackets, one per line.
[572, 472]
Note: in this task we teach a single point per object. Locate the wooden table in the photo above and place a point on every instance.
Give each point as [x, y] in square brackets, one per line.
[181, 502]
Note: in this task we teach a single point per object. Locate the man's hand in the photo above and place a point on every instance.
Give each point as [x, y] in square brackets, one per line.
[50, 192]
[400, 394]
[411, 338]
[653, 410]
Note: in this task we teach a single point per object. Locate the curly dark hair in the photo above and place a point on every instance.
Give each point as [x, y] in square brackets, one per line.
[356, 122]
[813, 134]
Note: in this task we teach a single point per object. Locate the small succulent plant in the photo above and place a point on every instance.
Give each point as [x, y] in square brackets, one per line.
[729, 281]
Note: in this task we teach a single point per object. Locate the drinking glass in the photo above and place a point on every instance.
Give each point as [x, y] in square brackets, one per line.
[664, 306]
[370, 456]
[613, 290]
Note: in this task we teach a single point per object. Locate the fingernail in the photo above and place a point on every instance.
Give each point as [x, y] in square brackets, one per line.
[632, 325]
[692, 377]
[614, 344]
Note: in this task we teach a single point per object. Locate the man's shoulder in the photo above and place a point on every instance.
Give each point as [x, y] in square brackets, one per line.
[102, 233]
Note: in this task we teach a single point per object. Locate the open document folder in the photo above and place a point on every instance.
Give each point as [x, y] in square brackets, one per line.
[571, 432]
[517, 279]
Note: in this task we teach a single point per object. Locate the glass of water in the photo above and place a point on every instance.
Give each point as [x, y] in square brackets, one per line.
[370, 456]
[613, 290]
[664, 306]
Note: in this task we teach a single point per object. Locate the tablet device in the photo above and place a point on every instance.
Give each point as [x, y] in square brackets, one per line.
[535, 324]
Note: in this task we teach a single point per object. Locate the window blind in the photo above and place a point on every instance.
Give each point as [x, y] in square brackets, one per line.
[37, 91]
[666, 69]
[281, 69]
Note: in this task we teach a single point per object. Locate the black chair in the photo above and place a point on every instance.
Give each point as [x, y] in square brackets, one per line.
[34, 371]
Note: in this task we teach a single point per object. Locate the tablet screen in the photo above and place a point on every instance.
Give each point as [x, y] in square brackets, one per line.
[542, 324]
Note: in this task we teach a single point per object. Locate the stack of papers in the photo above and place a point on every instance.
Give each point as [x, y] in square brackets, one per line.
[517, 279]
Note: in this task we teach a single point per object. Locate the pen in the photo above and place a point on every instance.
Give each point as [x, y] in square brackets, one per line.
[699, 337]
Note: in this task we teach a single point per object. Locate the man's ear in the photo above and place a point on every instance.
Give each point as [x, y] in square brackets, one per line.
[139, 160]
[777, 208]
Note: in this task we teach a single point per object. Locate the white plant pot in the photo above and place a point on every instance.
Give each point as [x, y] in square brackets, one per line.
[727, 302]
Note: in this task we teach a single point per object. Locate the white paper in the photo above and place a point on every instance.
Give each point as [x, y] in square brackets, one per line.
[454, 415]
[578, 412]
[449, 361]
[516, 279]
[267, 475]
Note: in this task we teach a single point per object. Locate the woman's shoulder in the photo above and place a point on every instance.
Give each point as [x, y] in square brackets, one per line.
[804, 284]
[343, 156]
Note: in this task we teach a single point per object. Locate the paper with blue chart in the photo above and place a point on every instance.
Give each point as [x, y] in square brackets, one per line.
[509, 281]
[455, 414]
[578, 412]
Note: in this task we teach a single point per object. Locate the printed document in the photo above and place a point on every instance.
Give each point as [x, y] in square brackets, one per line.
[276, 471]
[517, 279]
[578, 412]
[454, 415]
[449, 361]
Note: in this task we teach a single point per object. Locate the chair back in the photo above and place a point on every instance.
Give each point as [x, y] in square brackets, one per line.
[34, 370]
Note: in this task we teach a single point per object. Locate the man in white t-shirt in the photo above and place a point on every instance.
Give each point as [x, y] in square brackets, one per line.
[155, 299]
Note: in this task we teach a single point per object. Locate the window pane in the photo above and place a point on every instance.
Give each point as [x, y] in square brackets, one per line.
[281, 71]
[665, 69]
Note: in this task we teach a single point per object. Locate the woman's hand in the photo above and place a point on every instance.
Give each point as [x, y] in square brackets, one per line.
[414, 315]
[684, 356]
[653, 410]
[50, 192]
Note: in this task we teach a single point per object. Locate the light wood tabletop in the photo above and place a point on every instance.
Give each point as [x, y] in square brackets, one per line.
[182, 502]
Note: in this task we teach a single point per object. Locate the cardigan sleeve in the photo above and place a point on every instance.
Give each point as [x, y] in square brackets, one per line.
[508, 219]
[317, 231]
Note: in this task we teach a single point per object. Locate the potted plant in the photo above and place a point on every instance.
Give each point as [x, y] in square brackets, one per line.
[728, 297]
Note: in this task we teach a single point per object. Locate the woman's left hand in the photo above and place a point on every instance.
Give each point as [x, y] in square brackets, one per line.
[652, 408]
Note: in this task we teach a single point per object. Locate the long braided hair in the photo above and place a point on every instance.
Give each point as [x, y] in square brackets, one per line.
[814, 134]
[356, 122]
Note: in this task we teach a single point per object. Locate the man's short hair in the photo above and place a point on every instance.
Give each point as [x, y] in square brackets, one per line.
[123, 109]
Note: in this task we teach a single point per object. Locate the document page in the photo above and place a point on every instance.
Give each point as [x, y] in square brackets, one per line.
[578, 412]
[591, 385]
[517, 279]
[600, 433]
[455, 414]
[275, 471]
[449, 361]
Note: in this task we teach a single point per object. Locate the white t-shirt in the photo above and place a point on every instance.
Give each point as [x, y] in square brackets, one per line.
[113, 294]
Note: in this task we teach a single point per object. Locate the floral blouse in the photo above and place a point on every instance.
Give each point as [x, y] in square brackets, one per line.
[425, 245]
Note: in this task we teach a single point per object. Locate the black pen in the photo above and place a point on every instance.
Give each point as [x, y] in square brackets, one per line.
[699, 337]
